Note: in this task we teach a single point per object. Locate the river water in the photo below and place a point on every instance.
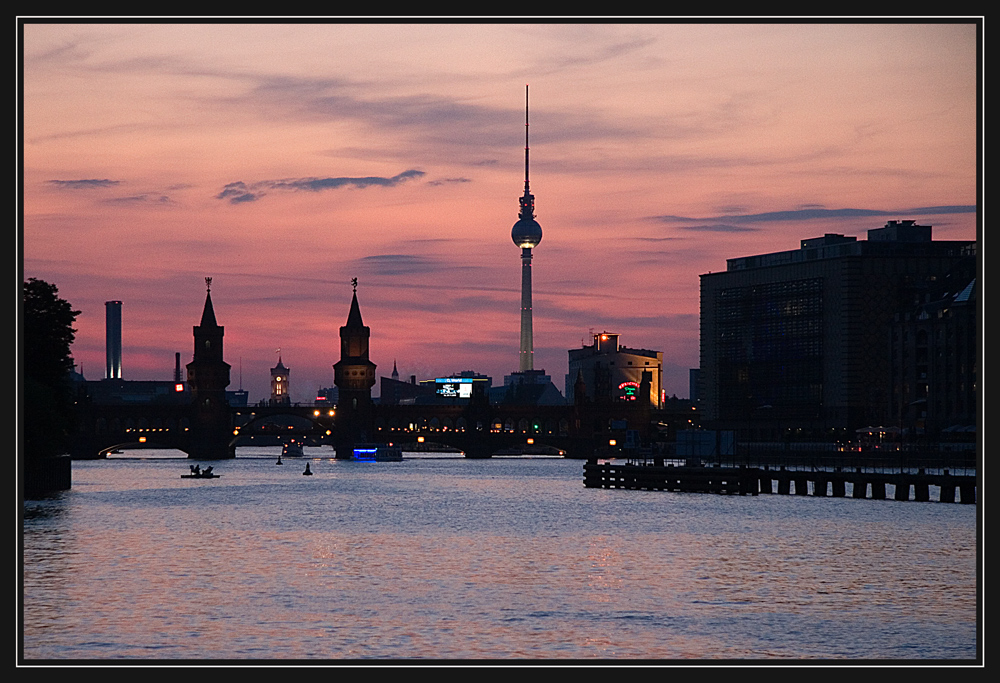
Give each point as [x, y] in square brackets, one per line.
[443, 558]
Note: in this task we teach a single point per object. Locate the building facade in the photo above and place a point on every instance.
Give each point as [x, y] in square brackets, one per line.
[615, 373]
[796, 344]
[934, 361]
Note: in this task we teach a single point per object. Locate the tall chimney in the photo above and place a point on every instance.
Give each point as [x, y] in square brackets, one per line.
[113, 338]
[177, 367]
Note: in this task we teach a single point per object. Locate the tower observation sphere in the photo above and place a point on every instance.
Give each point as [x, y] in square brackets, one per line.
[526, 233]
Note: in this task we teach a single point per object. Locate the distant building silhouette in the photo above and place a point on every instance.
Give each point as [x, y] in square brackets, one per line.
[796, 344]
[113, 390]
[394, 392]
[458, 388]
[327, 396]
[530, 387]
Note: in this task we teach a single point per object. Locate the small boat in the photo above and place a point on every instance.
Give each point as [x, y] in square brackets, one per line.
[373, 452]
[198, 473]
[291, 449]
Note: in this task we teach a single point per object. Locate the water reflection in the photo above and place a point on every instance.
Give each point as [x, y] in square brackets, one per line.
[449, 558]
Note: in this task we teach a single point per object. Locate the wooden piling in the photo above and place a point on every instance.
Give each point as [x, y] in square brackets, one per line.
[902, 490]
[820, 487]
[839, 486]
[878, 490]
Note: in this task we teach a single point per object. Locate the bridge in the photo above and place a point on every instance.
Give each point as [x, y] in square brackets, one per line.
[478, 430]
[207, 427]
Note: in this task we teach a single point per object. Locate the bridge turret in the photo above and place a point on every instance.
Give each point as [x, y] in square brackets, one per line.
[354, 376]
[208, 377]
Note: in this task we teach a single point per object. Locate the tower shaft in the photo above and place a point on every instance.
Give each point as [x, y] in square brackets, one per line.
[527, 361]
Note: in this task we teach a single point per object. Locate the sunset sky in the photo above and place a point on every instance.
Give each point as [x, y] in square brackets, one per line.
[284, 159]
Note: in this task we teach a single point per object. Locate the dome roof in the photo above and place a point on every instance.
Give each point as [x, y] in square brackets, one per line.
[526, 233]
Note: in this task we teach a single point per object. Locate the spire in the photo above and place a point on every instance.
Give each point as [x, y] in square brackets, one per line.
[395, 372]
[208, 315]
[354, 317]
[528, 200]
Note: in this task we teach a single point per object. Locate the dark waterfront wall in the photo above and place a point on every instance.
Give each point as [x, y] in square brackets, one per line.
[44, 475]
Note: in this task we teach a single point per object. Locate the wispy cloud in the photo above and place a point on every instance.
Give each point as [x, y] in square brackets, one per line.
[84, 184]
[138, 199]
[239, 191]
[448, 181]
[396, 264]
[718, 227]
[808, 214]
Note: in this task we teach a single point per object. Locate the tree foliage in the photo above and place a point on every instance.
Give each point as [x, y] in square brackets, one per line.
[48, 334]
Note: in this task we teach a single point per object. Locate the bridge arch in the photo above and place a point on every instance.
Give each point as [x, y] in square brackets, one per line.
[136, 443]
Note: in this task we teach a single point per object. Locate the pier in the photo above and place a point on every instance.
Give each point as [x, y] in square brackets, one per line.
[752, 481]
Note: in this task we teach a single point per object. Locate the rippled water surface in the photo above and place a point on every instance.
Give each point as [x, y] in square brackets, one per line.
[447, 558]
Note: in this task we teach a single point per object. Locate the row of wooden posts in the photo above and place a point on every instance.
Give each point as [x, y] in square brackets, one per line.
[756, 480]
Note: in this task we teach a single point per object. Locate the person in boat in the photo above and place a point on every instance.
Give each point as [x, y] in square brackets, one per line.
[207, 472]
[196, 470]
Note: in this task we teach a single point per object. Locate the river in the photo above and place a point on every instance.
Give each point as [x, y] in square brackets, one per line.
[499, 560]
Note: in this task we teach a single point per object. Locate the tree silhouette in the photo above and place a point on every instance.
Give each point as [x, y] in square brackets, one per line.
[48, 334]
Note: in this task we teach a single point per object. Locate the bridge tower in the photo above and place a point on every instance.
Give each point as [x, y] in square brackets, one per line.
[208, 377]
[354, 376]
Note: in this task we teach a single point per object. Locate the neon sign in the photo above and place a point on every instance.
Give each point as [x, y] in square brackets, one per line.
[629, 390]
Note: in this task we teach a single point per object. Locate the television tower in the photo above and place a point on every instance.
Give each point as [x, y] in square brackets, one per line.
[526, 233]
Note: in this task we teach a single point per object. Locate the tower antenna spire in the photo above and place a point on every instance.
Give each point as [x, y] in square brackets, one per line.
[527, 201]
[526, 192]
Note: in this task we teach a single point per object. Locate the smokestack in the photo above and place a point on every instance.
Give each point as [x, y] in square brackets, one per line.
[113, 338]
[177, 367]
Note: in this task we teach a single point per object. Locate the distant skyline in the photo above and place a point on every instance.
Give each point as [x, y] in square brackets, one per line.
[284, 159]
